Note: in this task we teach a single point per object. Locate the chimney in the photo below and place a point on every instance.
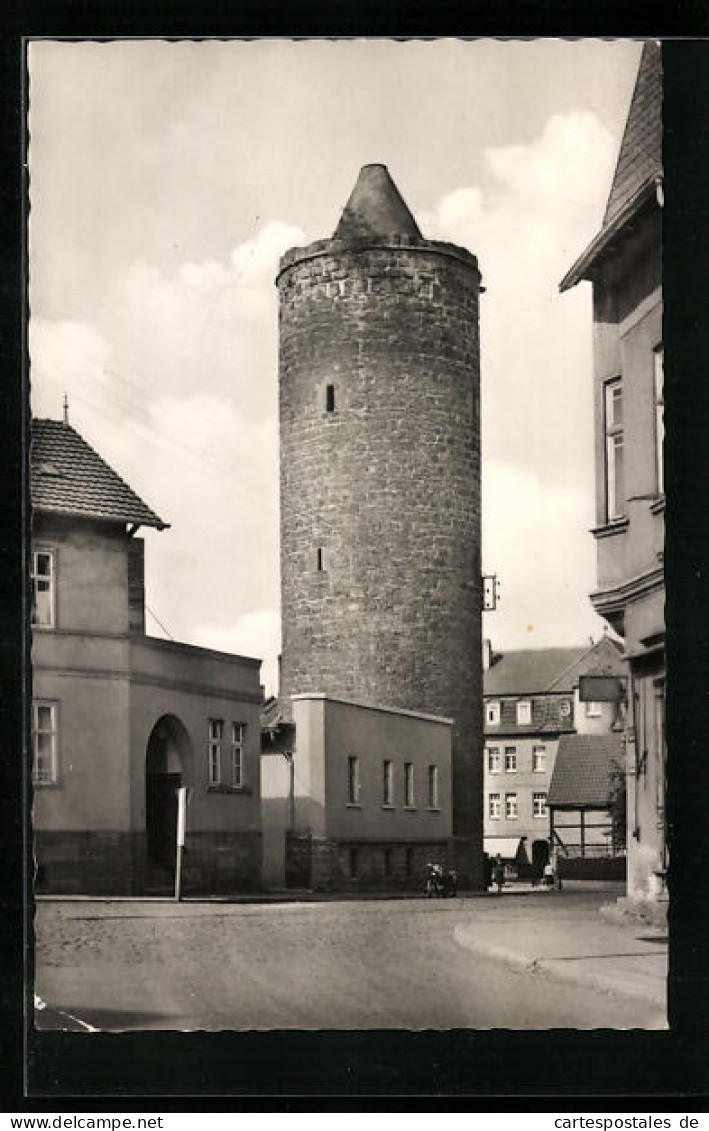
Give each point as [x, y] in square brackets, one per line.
[487, 654]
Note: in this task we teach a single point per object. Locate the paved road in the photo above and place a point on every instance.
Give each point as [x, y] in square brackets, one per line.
[337, 965]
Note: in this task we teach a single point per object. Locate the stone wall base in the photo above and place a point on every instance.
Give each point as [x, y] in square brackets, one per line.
[115, 863]
[359, 865]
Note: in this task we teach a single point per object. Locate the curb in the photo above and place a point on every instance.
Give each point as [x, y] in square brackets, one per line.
[558, 968]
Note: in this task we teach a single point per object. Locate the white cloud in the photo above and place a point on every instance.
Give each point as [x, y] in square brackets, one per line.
[539, 208]
[536, 540]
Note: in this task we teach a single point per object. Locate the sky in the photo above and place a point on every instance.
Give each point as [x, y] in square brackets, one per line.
[167, 179]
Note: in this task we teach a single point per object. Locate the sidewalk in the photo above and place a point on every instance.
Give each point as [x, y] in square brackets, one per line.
[627, 960]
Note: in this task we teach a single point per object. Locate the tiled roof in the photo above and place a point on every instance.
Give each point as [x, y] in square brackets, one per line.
[531, 670]
[640, 158]
[582, 769]
[545, 670]
[68, 477]
[548, 717]
[639, 164]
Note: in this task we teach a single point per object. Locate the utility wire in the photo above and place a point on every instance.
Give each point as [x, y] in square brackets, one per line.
[158, 621]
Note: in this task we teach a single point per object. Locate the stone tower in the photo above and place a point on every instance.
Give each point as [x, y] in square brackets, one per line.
[380, 477]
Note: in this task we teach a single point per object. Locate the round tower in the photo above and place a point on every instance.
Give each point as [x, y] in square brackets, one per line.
[380, 474]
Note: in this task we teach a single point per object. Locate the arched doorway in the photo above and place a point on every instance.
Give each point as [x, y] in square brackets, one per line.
[167, 767]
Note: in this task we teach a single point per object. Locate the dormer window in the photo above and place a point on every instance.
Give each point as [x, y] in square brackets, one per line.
[492, 714]
[524, 713]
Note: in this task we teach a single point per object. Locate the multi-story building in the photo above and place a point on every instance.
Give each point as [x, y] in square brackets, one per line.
[120, 719]
[623, 264]
[532, 699]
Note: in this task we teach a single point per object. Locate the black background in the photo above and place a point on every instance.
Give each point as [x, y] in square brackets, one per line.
[555, 1070]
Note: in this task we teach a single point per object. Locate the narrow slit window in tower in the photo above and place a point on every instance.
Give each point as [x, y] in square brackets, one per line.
[329, 398]
[319, 559]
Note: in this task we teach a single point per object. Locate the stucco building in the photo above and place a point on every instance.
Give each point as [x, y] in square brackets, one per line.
[121, 719]
[380, 484]
[534, 699]
[623, 264]
[364, 801]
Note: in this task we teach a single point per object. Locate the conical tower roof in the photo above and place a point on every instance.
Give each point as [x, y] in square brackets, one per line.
[640, 157]
[376, 209]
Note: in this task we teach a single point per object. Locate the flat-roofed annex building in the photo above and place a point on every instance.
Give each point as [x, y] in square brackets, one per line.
[120, 719]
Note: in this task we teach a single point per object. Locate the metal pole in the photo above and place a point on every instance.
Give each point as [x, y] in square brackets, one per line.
[181, 823]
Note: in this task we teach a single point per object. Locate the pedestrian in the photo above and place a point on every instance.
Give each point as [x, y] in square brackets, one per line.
[498, 874]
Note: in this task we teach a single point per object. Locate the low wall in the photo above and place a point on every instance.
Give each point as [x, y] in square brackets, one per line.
[327, 864]
[112, 863]
[612, 868]
[82, 863]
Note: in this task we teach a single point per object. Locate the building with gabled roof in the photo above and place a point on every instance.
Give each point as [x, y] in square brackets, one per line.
[120, 719]
[579, 793]
[623, 263]
[536, 698]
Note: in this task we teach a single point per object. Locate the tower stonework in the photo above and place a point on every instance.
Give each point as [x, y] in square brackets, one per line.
[380, 478]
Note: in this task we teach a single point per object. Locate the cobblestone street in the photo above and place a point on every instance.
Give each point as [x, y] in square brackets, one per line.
[360, 964]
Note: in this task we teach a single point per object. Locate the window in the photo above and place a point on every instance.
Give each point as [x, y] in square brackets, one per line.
[45, 768]
[387, 783]
[493, 806]
[539, 804]
[539, 759]
[511, 759]
[216, 732]
[353, 780]
[329, 398]
[524, 712]
[409, 800]
[659, 359]
[352, 862]
[433, 787]
[238, 732]
[43, 588]
[492, 714]
[319, 559]
[387, 862]
[593, 710]
[494, 761]
[511, 806]
[615, 486]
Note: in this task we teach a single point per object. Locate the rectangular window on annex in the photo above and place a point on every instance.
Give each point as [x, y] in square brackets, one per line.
[353, 789]
[387, 782]
[409, 798]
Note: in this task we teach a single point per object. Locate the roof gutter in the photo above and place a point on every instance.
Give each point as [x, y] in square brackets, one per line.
[652, 188]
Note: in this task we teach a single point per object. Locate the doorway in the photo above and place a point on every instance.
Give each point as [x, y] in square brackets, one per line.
[166, 764]
[540, 857]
